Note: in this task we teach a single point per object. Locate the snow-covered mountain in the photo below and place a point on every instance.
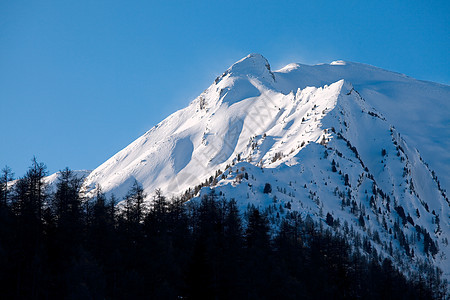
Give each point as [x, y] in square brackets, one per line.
[366, 145]
[249, 100]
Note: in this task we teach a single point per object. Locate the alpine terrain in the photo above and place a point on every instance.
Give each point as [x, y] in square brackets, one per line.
[355, 148]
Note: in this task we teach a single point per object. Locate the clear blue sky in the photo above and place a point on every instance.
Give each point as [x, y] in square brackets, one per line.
[80, 80]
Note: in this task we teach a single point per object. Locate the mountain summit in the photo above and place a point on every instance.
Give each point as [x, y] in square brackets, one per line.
[254, 65]
[364, 145]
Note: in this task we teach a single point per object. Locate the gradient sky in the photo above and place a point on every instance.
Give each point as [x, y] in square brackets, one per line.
[80, 80]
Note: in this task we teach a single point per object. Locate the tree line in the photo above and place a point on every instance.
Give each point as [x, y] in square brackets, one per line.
[59, 244]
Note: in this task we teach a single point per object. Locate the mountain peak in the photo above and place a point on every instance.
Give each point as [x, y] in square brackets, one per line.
[253, 64]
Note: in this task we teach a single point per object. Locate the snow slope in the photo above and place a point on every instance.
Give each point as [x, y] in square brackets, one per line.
[249, 100]
[345, 138]
[376, 176]
[418, 109]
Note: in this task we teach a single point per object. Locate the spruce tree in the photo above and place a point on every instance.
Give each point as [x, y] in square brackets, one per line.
[6, 176]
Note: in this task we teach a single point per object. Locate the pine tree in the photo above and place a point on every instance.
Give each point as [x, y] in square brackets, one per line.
[361, 221]
[30, 192]
[346, 180]
[257, 232]
[232, 225]
[329, 219]
[29, 196]
[66, 201]
[333, 166]
[6, 176]
[111, 209]
[134, 201]
[267, 188]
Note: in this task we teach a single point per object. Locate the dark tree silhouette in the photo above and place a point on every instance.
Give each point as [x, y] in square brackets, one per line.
[267, 188]
[61, 245]
[6, 176]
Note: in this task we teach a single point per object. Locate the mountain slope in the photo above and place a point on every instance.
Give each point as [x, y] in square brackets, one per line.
[247, 100]
[418, 109]
[339, 139]
[364, 175]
